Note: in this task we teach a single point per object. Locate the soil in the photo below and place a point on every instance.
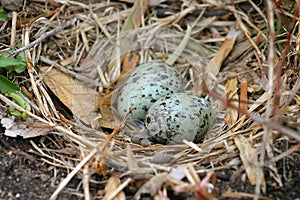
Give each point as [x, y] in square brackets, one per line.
[23, 175]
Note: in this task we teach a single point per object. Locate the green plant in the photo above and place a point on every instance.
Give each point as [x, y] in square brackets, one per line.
[2, 16]
[17, 64]
[11, 90]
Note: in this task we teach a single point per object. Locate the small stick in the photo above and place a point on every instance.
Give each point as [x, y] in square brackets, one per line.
[78, 76]
[85, 178]
[42, 37]
[13, 30]
[115, 131]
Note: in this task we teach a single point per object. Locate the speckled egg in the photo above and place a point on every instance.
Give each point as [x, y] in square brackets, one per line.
[179, 116]
[145, 85]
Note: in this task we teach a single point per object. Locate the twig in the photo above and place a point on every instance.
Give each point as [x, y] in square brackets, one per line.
[13, 29]
[283, 155]
[67, 71]
[42, 37]
[115, 131]
[85, 178]
[280, 64]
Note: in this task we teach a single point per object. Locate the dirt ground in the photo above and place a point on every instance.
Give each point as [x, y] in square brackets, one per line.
[23, 175]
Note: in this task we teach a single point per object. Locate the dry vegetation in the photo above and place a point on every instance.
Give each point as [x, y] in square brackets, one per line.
[243, 55]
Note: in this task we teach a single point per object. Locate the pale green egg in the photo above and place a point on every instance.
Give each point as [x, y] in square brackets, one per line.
[145, 85]
[176, 117]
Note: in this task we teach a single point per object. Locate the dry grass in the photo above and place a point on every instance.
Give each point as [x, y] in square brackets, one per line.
[241, 55]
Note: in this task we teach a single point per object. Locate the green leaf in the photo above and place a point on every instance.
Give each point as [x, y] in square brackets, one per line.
[2, 16]
[21, 57]
[9, 89]
[15, 113]
[6, 62]
[12, 64]
[20, 68]
[6, 86]
[20, 101]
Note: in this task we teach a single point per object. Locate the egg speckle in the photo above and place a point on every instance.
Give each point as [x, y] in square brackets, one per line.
[145, 85]
[179, 116]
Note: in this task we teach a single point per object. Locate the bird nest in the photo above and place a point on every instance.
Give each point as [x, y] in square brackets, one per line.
[81, 53]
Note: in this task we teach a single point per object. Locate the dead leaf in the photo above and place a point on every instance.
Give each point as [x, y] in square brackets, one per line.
[215, 64]
[243, 97]
[132, 162]
[108, 119]
[250, 161]
[152, 185]
[14, 128]
[79, 98]
[231, 96]
[111, 186]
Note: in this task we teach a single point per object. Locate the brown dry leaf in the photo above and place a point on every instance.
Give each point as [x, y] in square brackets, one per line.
[152, 185]
[108, 119]
[231, 88]
[132, 162]
[254, 88]
[250, 161]
[243, 97]
[14, 128]
[111, 186]
[242, 47]
[215, 64]
[80, 100]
